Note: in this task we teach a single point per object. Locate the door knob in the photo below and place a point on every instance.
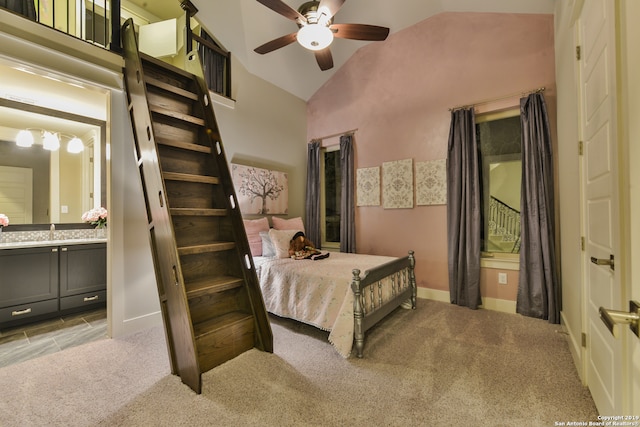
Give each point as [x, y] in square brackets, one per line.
[613, 317]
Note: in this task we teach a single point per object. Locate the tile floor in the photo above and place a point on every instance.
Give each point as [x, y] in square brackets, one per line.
[50, 336]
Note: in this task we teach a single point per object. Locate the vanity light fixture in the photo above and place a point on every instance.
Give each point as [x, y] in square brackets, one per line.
[49, 140]
[24, 138]
[75, 145]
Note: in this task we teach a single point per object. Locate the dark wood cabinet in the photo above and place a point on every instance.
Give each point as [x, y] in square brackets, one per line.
[41, 282]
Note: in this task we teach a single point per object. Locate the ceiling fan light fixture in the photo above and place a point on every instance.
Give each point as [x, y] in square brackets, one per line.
[315, 36]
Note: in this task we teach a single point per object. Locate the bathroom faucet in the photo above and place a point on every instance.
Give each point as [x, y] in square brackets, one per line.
[52, 229]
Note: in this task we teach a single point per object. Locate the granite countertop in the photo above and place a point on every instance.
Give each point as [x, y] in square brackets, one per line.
[41, 243]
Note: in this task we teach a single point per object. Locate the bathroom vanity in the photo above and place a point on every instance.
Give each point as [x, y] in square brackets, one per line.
[39, 280]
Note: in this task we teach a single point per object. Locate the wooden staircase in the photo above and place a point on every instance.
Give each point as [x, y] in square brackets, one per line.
[210, 298]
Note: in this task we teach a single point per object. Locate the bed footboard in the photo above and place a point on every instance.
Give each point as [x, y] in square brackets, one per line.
[380, 291]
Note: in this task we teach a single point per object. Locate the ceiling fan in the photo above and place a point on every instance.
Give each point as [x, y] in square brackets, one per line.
[317, 30]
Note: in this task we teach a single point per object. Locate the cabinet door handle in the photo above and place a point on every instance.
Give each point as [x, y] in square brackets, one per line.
[93, 298]
[64, 249]
[21, 312]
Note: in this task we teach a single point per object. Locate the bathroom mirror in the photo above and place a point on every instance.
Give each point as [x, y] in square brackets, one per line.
[38, 186]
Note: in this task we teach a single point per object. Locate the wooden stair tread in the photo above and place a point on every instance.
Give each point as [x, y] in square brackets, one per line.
[209, 247]
[173, 89]
[175, 115]
[187, 177]
[198, 212]
[162, 140]
[212, 285]
[216, 324]
[164, 66]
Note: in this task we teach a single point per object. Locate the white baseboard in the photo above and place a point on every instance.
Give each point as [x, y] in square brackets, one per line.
[137, 324]
[575, 347]
[502, 305]
[494, 304]
[433, 294]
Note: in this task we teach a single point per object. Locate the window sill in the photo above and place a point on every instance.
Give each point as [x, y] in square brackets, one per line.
[500, 261]
[222, 100]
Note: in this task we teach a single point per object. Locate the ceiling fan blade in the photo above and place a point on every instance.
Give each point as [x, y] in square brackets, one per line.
[324, 58]
[359, 32]
[276, 44]
[331, 7]
[283, 9]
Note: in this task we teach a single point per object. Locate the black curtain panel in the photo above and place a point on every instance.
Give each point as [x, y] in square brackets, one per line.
[312, 205]
[538, 287]
[463, 210]
[213, 65]
[25, 8]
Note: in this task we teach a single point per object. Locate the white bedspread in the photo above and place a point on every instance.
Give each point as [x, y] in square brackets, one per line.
[316, 292]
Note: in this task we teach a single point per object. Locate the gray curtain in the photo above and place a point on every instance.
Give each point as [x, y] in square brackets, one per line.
[463, 210]
[538, 288]
[23, 7]
[347, 196]
[213, 65]
[312, 205]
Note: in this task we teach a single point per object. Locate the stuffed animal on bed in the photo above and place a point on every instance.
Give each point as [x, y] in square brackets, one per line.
[302, 248]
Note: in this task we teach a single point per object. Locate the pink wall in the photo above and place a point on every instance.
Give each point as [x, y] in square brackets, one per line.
[397, 93]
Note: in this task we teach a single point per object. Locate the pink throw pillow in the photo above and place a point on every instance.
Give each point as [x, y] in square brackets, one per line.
[288, 224]
[253, 227]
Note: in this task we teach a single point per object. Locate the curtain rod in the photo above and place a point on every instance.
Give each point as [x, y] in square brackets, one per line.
[352, 131]
[486, 101]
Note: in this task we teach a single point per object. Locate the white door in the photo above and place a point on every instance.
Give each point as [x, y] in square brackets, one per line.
[16, 194]
[604, 357]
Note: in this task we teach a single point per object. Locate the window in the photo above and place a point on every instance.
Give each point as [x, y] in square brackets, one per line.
[499, 141]
[330, 196]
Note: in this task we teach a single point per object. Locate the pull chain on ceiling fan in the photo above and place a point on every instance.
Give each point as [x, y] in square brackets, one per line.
[317, 30]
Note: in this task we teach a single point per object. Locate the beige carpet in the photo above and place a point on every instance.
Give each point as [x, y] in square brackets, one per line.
[438, 365]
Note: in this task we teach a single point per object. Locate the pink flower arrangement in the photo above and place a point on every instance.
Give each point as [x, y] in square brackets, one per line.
[4, 220]
[96, 216]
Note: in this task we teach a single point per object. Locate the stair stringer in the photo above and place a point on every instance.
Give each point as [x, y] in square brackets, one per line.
[193, 66]
[173, 300]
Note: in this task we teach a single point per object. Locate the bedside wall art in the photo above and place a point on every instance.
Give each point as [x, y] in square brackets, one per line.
[397, 184]
[260, 191]
[368, 186]
[431, 182]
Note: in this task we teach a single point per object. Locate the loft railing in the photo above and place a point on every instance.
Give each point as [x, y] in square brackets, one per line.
[216, 61]
[504, 223]
[95, 21]
[99, 23]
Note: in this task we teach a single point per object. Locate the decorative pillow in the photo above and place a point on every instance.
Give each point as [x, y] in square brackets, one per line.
[288, 224]
[281, 240]
[268, 250]
[253, 227]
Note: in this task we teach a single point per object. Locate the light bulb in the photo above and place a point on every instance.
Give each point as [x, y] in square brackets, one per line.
[50, 141]
[314, 36]
[75, 145]
[24, 139]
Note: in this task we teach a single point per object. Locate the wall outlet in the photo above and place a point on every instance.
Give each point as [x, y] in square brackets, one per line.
[502, 278]
[64, 209]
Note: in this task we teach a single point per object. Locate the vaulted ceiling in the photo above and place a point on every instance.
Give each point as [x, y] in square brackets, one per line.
[242, 25]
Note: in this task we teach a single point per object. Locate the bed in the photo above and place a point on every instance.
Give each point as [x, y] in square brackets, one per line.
[345, 294]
